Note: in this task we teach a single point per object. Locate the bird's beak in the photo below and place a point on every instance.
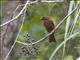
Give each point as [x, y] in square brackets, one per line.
[42, 18]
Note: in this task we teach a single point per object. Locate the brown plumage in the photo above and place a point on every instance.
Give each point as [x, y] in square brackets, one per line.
[49, 27]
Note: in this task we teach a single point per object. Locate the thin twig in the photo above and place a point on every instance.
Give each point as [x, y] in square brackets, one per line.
[17, 15]
[23, 5]
[75, 20]
[50, 6]
[1, 41]
[59, 46]
[52, 1]
[73, 25]
[17, 35]
[67, 26]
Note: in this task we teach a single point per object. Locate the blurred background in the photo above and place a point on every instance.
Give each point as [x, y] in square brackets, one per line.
[33, 30]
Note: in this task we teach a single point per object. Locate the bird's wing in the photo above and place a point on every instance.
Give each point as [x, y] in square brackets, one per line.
[49, 25]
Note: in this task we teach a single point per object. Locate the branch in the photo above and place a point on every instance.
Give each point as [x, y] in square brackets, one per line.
[59, 46]
[67, 27]
[18, 32]
[17, 15]
[52, 1]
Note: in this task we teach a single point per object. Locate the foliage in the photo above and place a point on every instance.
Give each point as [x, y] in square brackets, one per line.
[33, 30]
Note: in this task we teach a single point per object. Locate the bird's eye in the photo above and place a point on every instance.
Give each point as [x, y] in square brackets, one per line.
[42, 18]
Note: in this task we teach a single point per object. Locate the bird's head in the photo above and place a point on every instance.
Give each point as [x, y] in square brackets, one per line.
[45, 18]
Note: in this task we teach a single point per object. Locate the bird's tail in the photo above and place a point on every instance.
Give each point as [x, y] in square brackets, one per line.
[52, 38]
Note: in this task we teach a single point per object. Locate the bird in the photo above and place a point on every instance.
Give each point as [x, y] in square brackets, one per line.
[49, 25]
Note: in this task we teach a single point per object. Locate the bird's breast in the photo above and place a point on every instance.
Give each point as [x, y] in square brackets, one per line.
[46, 23]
